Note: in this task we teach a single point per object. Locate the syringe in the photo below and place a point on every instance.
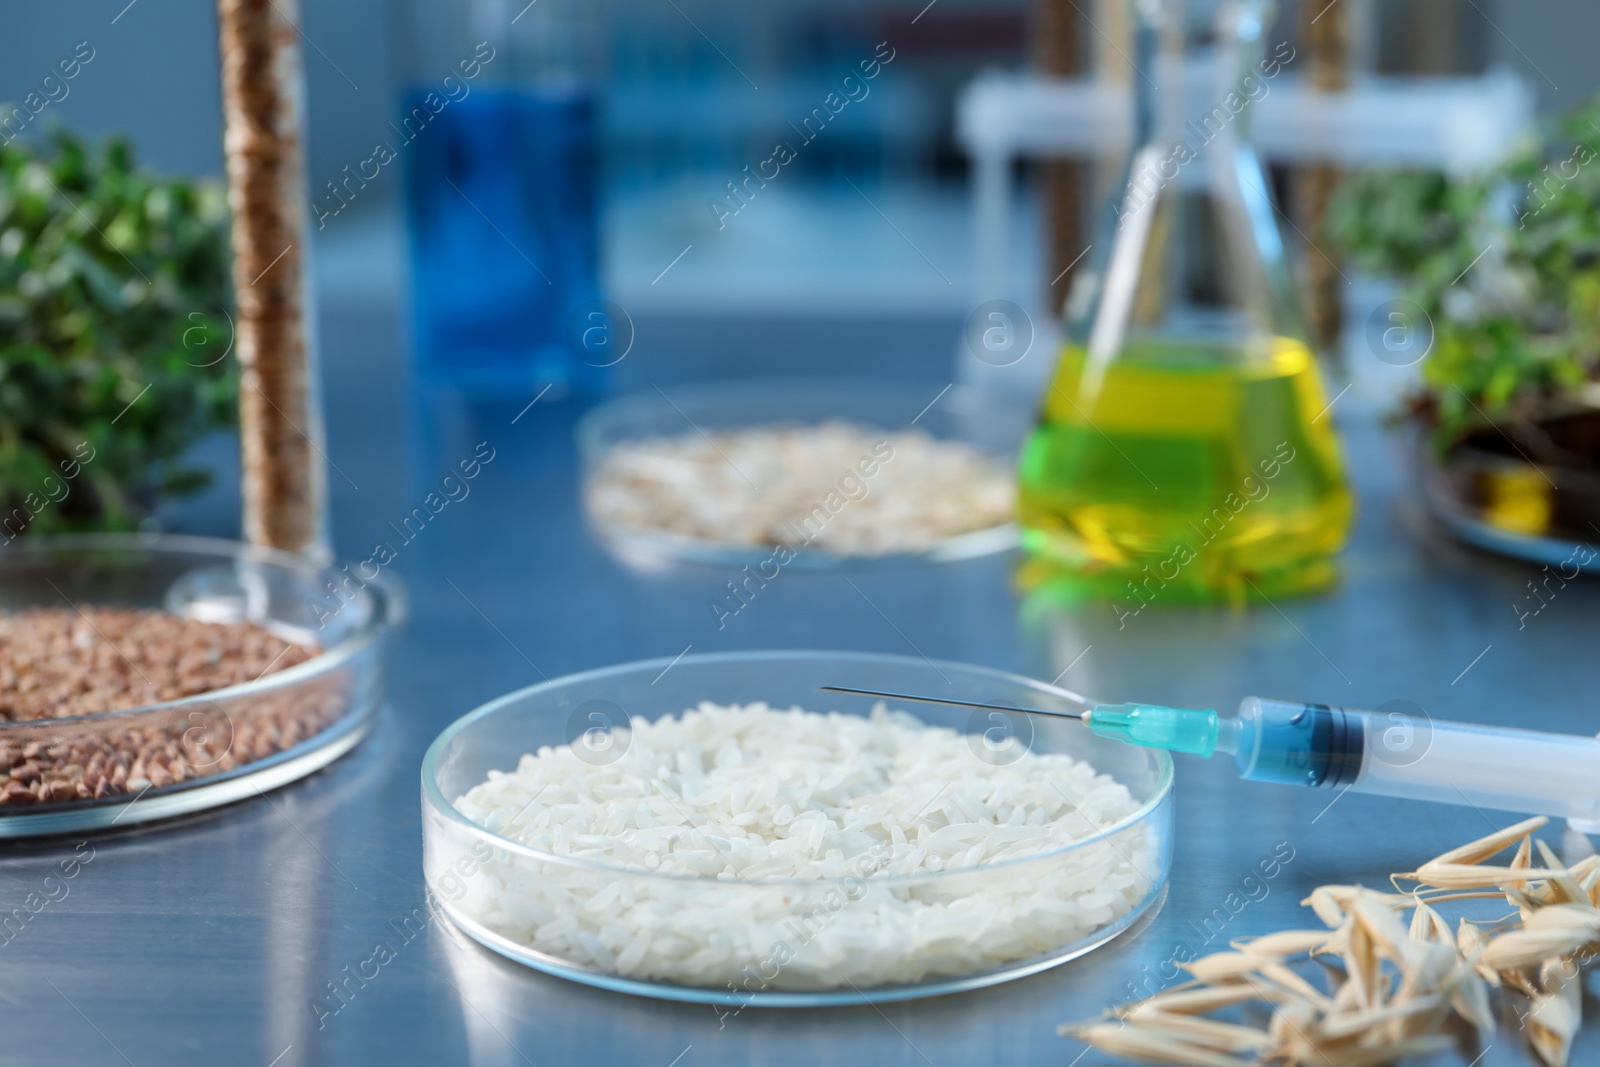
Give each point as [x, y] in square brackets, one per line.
[1390, 753]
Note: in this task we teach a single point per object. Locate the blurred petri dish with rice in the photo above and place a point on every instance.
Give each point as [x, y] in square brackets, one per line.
[729, 835]
[145, 676]
[808, 473]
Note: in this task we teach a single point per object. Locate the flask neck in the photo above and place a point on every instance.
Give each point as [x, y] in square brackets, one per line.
[1196, 77]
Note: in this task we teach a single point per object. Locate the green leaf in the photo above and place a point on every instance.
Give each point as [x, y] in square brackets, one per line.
[114, 298]
[1507, 265]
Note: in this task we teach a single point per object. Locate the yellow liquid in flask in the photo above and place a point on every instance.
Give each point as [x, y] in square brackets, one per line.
[1181, 472]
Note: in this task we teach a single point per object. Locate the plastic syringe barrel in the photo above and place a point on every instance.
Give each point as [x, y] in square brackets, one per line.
[1401, 754]
[1292, 743]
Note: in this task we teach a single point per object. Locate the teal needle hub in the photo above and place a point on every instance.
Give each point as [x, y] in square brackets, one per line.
[1192, 730]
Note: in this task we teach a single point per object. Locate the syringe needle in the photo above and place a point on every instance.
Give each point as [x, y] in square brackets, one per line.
[943, 700]
[1189, 730]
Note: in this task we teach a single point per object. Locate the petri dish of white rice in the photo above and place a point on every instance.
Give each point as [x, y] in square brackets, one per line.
[801, 473]
[833, 486]
[751, 852]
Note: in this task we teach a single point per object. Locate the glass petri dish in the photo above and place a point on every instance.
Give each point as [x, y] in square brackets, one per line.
[502, 893]
[944, 411]
[229, 743]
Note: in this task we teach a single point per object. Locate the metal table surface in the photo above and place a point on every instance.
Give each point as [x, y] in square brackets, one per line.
[215, 940]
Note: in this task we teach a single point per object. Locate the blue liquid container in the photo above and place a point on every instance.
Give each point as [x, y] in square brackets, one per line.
[500, 193]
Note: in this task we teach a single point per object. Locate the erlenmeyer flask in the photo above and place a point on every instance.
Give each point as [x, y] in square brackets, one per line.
[1185, 450]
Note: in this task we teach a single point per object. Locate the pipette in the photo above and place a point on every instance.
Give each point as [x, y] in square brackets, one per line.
[1390, 753]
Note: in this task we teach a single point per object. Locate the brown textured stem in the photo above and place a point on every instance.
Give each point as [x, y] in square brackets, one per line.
[1327, 31]
[1315, 184]
[1059, 55]
[261, 110]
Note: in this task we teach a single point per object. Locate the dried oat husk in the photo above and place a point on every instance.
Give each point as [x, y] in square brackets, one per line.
[1553, 932]
[1358, 1024]
[1282, 944]
[1473, 876]
[1134, 1043]
[263, 144]
[1313, 1055]
[1223, 966]
[1202, 1032]
[1397, 983]
[1587, 872]
[1326, 904]
[1490, 844]
[1556, 1014]
[1191, 999]
[1470, 999]
[1562, 887]
[1470, 943]
[1285, 979]
[1427, 924]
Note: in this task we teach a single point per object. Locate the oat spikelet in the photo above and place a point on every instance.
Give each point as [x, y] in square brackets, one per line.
[1206, 1033]
[1326, 903]
[1484, 847]
[1562, 882]
[1361, 965]
[1555, 932]
[1401, 981]
[1473, 876]
[1374, 1055]
[1556, 1014]
[1470, 943]
[1358, 1023]
[1283, 977]
[1470, 999]
[1282, 944]
[1586, 872]
[1192, 1001]
[1223, 966]
[1428, 925]
[1135, 1043]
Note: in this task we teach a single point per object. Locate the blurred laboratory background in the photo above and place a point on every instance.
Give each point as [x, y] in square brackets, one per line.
[692, 91]
[778, 188]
